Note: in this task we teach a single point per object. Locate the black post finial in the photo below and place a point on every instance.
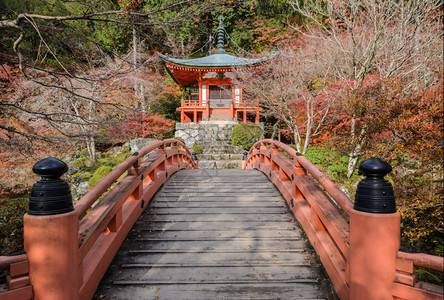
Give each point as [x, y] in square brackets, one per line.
[50, 195]
[375, 194]
[245, 155]
[194, 155]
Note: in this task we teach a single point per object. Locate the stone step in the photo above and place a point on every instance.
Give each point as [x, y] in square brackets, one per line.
[216, 143]
[218, 136]
[220, 164]
[209, 140]
[221, 150]
[224, 156]
[220, 117]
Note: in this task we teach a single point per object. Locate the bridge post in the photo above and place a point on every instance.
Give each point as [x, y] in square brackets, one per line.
[51, 235]
[374, 234]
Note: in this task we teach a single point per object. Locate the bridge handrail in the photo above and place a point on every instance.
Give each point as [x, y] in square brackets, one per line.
[18, 280]
[343, 201]
[326, 227]
[423, 260]
[89, 198]
[6, 260]
[79, 245]
[361, 253]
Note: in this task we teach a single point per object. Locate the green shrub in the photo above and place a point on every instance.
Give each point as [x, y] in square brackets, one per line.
[330, 161]
[98, 175]
[429, 276]
[86, 177]
[106, 162]
[245, 135]
[12, 209]
[197, 149]
[122, 156]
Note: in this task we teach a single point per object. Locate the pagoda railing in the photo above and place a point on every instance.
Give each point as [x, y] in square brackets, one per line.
[359, 250]
[209, 102]
[191, 103]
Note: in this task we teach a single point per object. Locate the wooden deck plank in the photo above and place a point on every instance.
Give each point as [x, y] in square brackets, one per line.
[205, 234]
[219, 217]
[194, 291]
[218, 225]
[216, 210]
[202, 239]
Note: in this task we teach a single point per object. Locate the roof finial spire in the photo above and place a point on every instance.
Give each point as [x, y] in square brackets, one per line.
[221, 19]
[220, 36]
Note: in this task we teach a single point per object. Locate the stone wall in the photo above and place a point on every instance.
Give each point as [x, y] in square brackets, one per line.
[205, 132]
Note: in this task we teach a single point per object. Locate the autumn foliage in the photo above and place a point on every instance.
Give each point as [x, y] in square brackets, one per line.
[143, 125]
[354, 79]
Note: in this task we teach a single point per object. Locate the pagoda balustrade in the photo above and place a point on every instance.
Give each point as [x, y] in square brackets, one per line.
[198, 103]
[196, 110]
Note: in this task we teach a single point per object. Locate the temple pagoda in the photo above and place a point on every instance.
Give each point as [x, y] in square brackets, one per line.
[212, 96]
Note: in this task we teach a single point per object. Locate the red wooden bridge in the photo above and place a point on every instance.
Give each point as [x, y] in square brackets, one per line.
[185, 233]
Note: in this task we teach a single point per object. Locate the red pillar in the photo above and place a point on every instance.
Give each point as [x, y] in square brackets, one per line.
[51, 235]
[374, 244]
[208, 109]
[245, 116]
[256, 119]
[51, 243]
[374, 235]
[195, 116]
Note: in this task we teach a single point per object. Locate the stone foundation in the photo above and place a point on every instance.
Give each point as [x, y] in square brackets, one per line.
[205, 131]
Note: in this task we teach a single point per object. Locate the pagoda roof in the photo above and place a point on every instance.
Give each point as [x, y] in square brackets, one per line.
[217, 60]
[187, 72]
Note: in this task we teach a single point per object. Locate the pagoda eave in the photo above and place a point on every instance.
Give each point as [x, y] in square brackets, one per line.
[191, 76]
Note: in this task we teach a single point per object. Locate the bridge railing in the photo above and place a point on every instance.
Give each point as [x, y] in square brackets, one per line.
[18, 282]
[68, 253]
[359, 250]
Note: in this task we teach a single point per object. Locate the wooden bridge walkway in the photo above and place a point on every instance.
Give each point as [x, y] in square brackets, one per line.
[216, 234]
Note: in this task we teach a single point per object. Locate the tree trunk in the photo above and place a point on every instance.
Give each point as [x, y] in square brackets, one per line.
[307, 142]
[91, 145]
[297, 141]
[356, 152]
[138, 87]
[353, 160]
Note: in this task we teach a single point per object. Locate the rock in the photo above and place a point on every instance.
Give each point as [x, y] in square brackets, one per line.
[82, 189]
[116, 150]
[77, 179]
[69, 160]
[139, 143]
[78, 190]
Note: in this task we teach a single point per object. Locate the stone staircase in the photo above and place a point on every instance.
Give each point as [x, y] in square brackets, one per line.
[215, 117]
[217, 151]
[228, 157]
[214, 137]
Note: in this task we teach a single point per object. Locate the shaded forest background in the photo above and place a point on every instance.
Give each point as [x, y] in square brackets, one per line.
[354, 79]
